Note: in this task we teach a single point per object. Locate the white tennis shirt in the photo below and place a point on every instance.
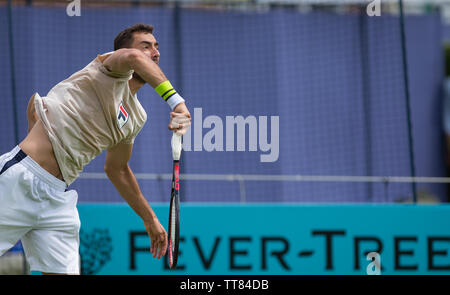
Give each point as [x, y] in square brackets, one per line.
[89, 112]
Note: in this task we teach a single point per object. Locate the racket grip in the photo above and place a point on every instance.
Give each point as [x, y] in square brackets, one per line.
[176, 146]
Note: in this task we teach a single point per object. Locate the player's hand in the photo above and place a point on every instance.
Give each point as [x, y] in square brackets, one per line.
[158, 238]
[182, 109]
[180, 119]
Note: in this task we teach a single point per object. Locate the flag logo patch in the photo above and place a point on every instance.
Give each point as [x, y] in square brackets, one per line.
[122, 116]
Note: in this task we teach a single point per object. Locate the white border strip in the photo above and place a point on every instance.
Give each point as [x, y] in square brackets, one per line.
[274, 177]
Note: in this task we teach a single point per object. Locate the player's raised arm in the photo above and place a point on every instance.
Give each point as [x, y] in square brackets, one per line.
[126, 59]
[139, 52]
[142, 63]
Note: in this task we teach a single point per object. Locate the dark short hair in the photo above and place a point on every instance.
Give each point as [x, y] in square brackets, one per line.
[125, 38]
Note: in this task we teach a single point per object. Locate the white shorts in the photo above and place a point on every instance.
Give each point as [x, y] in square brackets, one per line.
[36, 209]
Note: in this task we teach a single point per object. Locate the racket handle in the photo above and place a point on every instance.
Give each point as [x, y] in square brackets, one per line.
[176, 146]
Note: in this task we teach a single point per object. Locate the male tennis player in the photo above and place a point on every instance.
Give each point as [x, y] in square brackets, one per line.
[93, 110]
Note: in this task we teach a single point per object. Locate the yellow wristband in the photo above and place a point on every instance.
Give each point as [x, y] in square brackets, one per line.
[165, 90]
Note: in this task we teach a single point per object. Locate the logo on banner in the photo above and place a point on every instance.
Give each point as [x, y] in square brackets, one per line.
[122, 116]
[95, 250]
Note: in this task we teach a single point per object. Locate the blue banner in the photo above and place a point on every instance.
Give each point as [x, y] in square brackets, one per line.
[268, 239]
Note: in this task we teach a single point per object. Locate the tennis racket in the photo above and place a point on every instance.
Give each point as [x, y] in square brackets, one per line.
[174, 213]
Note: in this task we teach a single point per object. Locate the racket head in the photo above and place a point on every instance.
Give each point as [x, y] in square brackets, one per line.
[174, 218]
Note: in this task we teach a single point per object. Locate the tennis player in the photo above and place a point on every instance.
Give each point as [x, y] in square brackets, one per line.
[93, 110]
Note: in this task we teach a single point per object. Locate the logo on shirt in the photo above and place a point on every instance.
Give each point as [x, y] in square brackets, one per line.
[122, 116]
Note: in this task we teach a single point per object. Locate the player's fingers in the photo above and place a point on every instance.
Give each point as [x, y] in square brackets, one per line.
[152, 247]
[181, 131]
[173, 126]
[157, 251]
[164, 249]
[184, 114]
[180, 125]
[156, 248]
[174, 115]
[174, 123]
[162, 246]
[182, 119]
[160, 251]
[185, 122]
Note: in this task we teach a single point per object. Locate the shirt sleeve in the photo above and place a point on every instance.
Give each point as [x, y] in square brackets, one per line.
[122, 76]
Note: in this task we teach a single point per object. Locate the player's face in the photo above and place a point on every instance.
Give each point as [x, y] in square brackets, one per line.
[147, 44]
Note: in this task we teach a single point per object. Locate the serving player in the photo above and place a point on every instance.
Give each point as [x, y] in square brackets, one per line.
[93, 110]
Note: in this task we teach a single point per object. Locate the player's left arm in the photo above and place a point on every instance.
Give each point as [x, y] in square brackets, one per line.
[120, 174]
